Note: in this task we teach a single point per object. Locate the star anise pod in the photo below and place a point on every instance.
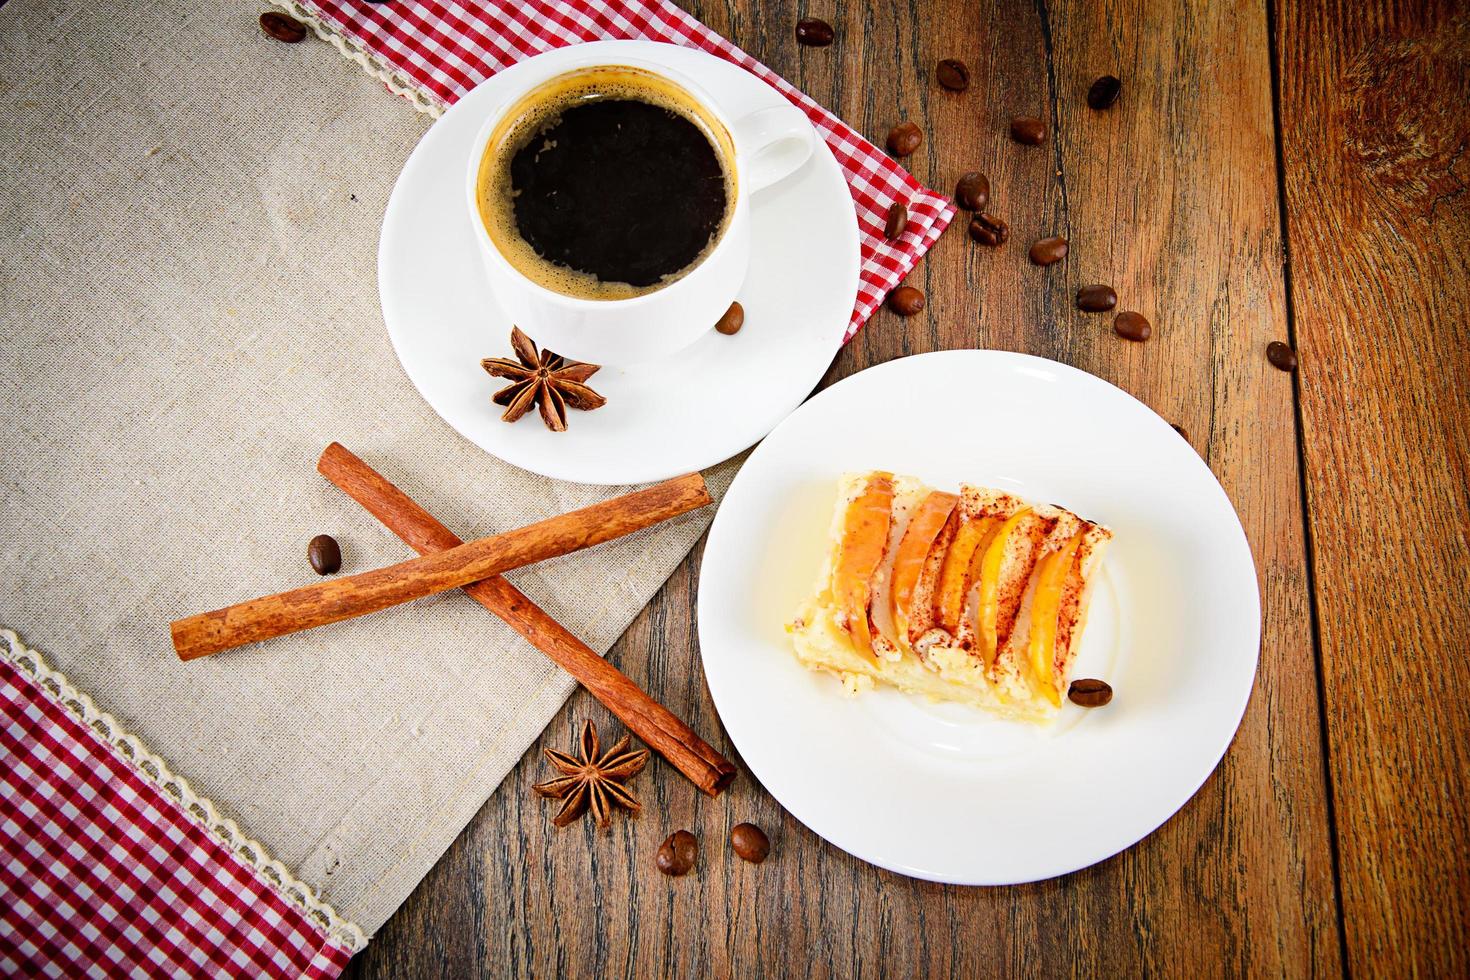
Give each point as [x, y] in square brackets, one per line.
[593, 782]
[547, 380]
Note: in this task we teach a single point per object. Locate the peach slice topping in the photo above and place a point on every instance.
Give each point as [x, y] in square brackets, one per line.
[955, 578]
[1045, 605]
[860, 551]
[988, 606]
[913, 550]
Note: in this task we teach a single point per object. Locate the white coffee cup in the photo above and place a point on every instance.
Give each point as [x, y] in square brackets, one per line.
[769, 145]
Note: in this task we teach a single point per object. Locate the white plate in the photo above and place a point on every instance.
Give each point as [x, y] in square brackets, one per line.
[663, 418]
[945, 792]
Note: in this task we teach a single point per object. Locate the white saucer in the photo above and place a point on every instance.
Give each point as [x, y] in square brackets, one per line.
[663, 418]
[946, 792]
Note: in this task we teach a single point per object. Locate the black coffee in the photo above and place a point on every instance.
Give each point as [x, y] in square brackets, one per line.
[625, 191]
[610, 184]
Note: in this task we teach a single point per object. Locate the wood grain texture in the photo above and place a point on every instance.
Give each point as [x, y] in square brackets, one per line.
[1375, 119]
[1171, 197]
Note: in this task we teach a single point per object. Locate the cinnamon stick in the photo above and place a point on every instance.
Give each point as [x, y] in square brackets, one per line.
[663, 731]
[356, 595]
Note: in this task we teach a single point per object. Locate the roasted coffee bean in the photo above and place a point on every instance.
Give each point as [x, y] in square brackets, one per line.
[1096, 298]
[732, 321]
[1090, 692]
[1280, 355]
[906, 301]
[1132, 326]
[973, 191]
[813, 32]
[953, 74]
[904, 139]
[282, 28]
[750, 842]
[1028, 130]
[677, 853]
[987, 229]
[1048, 251]
[1104, 92]
[898, 220]
[324, 554]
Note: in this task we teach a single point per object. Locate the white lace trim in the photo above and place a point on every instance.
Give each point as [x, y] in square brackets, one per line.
[353, 50]
[340, 930]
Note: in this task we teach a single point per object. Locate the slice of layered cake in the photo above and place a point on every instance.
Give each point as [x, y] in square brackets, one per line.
[979, 597]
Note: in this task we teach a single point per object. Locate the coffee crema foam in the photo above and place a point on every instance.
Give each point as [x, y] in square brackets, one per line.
[541, 110]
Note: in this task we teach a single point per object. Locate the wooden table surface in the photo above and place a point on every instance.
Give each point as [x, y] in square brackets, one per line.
[1285, 170]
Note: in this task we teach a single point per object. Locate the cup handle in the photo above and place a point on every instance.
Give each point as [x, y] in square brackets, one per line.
[775, 141]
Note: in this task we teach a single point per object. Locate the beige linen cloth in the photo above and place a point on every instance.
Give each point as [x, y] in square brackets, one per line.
[188, 314]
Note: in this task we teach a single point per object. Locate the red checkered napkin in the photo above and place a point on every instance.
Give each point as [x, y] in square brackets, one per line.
[105, 874]
[437, 50]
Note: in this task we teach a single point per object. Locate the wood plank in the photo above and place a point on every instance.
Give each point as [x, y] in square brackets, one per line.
[1375, 128]
[1170, 197]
